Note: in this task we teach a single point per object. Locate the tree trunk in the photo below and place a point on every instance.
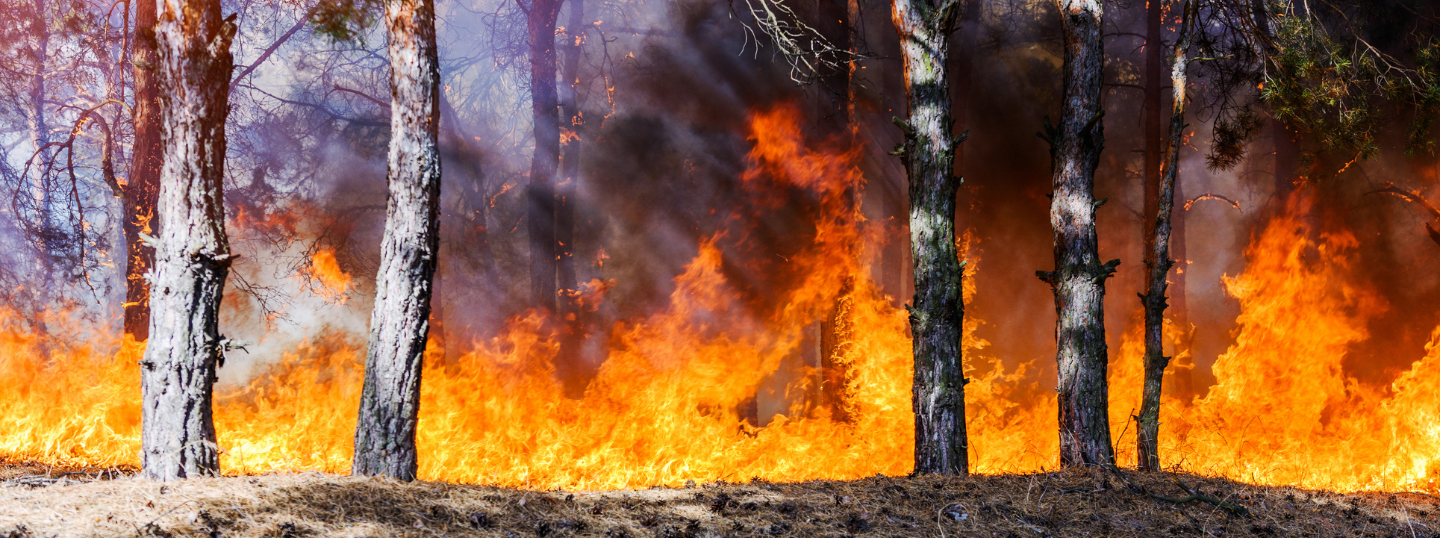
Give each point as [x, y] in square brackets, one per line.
[569, 362]
[1079, 278]
[938, 311]
[142, 192]
[1157, 255]
[1154, 136]
[570, 171]
[540, 24]
[833, 22]
[193, 255]
[1182, 380]
[399, 323]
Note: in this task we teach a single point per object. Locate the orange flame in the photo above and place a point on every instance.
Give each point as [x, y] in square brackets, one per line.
[666, 404]
[331, 282]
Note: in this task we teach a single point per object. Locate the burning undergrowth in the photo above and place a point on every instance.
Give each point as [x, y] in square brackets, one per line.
[678, 392]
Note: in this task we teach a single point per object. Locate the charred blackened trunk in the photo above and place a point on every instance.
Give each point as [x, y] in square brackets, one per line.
[193, 257]
[141, 194]
[1079, 278]
[1157, 256]
[540, 25]
[937, 315]
[566, 280]
[399, 323]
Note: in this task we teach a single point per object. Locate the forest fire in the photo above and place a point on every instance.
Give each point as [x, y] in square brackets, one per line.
[668, 403]
[332, 281]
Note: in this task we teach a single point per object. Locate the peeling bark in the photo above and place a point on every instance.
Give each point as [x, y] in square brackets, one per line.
[937, 314]
[399, 323]
[193, 258]
[1157, 255]
[1079, 278]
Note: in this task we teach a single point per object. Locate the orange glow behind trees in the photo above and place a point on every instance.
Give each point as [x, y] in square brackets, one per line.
[664, 406]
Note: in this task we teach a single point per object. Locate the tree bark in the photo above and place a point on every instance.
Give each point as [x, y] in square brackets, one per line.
[1154, 118]
[569, 361]
[938, 311]
[141, 193]
[1157, 255]
[399, 323]
[1079, 278]
[570, 171]
[1182, 380]
[193, 253]
[833, 22]
[540, 24]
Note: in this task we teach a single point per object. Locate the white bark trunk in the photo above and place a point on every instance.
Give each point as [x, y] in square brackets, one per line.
[193, 254]
[399, 323]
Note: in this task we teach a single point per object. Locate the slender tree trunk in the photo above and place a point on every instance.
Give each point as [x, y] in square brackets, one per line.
[566, 280]
[1154, 150]
[399, 323]
[193, 255]
[1182, 379]
[40, 138]
[836, 327]
[141, 194]
[540, 24]
[570, 165]
[938, 312]
[1154, 136]
[1157, 256]
[1079, 278]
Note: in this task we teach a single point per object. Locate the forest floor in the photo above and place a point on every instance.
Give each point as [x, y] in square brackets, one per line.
[1092, 502]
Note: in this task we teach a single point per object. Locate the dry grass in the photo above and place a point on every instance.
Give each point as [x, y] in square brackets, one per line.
[1072, 503]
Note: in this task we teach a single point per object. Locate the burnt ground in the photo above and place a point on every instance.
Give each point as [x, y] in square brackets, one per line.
[110, 502]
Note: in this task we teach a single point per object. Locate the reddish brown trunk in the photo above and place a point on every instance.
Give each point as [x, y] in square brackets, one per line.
[143, 190]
